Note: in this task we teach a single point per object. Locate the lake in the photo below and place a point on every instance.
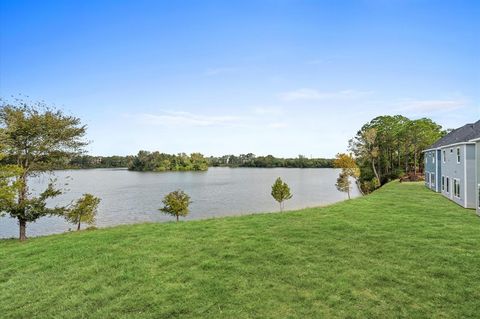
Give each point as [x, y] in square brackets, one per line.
[134, 197]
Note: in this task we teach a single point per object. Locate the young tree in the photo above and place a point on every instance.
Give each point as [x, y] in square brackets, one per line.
[35, 137]
[343, 183]
[281, 192]
[349, 169]
[84, 210]
[176, 204]
[347, 163]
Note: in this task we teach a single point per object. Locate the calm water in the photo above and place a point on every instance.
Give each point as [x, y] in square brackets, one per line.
[134, 197]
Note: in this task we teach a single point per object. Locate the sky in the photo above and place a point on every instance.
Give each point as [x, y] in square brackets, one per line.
[284, 77]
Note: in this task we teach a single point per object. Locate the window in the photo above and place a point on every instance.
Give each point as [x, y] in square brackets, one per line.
[458, 155]
[443, 183]
[427, 178]
[451, 150]
[433, 158]
[456, 187]
[448, 185]
[432, 179]
[444, 157]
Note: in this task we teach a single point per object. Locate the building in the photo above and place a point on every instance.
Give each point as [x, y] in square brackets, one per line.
[477, 167]
[452, 166]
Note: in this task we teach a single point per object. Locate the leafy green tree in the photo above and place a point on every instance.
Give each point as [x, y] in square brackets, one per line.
[176, 204]
[281, 192]
[160, 162]
[35, 138]
[84, 210]
[423, 132]
[389, 146]
[343, 183]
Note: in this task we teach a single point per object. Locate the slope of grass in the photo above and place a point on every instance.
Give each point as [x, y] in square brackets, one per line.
[402, 252]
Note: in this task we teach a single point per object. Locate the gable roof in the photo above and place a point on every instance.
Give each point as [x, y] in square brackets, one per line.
[460, 135]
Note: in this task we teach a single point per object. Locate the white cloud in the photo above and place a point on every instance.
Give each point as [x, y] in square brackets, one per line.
[185, 119]
[432, 105]
[312, 94]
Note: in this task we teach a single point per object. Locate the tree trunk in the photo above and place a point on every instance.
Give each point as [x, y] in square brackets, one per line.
[348, 192]
[375, 172]
[177, 218]
[23, 229]
[399, 158]
[406, 164]
[415, 161]
[22, 196]
[78, 227]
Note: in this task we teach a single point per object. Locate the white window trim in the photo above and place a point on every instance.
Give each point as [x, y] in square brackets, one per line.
[458, 155]
[444, 156]
[454, 191]
[442, 182]
[447, 189]
[478, 198]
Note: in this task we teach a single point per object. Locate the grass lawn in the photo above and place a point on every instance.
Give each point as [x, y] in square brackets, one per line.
[402, 252]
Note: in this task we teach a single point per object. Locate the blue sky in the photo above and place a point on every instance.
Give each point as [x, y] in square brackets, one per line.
[219, 77]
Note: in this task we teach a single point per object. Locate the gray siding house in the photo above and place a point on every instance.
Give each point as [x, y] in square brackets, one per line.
[477, 167]
[452, 166]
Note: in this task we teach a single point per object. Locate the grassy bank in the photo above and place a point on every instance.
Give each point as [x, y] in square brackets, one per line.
[402, 252]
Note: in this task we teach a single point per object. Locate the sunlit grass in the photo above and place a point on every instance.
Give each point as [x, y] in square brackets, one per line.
[403, 251]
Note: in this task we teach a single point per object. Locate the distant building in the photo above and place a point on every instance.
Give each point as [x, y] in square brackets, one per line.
[452, 166]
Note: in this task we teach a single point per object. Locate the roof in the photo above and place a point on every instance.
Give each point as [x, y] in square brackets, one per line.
[460, 135]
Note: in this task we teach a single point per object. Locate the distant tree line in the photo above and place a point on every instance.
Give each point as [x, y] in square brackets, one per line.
[269, 161]
[388, 147]
[89, 161]
[160, 162]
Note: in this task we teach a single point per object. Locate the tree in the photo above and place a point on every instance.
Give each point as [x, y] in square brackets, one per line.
[176, 204]
[281, 192]
[423, 132]
[343, 183]
[35, 138]
[84, 210]
[349, 169]
[347, 163]
[390, 146]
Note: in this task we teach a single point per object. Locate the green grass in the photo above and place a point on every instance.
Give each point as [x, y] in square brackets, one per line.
[402, 252]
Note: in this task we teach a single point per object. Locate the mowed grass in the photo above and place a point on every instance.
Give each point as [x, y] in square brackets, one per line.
[402, 252]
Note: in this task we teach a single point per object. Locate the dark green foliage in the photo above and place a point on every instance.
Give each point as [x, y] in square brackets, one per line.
[281, 192]
[269, 161]
[88, 161]
[84, 210]
[35, 138]
[176, 204]
[401, 252]
[389, 146]
[159, 162]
